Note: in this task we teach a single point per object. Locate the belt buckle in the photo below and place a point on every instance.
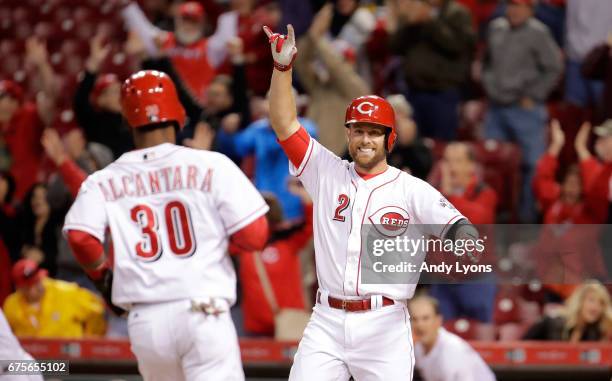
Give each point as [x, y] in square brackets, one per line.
[344, 304]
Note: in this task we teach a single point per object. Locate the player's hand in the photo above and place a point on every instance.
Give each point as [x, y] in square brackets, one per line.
[283, 48]
[582, 140]
[98, 51]
[557, 138]
[53, 145]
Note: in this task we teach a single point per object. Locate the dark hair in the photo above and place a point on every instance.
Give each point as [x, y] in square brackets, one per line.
[11, 187]
[27, 200]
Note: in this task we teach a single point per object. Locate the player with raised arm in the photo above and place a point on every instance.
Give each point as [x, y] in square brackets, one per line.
[171, 212]
[356, 329]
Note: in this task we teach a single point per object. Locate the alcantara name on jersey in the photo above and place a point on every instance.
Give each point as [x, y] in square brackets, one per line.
[161, 180]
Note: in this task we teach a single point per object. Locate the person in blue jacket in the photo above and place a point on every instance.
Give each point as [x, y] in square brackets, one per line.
[271, 163]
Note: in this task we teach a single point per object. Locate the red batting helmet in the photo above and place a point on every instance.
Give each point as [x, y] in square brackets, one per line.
[375, 110]
[149, 97]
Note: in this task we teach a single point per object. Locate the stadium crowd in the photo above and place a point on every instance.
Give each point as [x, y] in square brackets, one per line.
[494, 100]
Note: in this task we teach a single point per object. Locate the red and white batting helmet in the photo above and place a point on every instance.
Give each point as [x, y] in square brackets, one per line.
[374, 110]
[149, 97]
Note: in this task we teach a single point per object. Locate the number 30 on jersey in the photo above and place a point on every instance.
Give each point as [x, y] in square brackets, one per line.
[177, 221]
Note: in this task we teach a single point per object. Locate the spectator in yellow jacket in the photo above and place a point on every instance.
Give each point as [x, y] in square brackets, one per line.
[45, 307]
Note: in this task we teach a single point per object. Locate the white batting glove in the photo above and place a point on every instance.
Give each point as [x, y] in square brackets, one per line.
[283, 48]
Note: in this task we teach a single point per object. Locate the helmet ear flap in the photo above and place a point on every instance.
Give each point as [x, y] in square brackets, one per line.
[390, 139]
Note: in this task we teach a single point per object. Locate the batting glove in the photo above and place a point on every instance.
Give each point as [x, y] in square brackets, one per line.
[283, 48]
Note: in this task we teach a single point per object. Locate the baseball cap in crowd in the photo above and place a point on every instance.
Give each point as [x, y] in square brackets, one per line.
[530, 3]
[12, 89]
[27, 273]
[102, 82]
[605, 129]
[191, 10]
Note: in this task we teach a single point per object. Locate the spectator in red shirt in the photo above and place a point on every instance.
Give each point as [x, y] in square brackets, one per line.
[195, 57]
[571, 253]
[22, 122]
[244, 21]
[282, 263]
[461, 185]
[565, 202]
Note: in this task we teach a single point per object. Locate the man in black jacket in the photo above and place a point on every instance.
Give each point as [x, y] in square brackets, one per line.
[436, 41]
[96, 103]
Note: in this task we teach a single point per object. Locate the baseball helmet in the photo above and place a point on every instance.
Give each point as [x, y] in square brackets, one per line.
[374, 110]
[149, 97]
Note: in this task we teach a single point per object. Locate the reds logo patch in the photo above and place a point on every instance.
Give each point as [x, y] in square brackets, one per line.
[368, 111]
[390, 221]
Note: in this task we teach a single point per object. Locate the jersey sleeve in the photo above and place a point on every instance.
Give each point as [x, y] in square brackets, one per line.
[88, 213]
[312, 157]
[237, 200]
[433, 210]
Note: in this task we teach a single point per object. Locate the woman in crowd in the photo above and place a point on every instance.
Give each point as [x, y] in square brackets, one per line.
[586, 316]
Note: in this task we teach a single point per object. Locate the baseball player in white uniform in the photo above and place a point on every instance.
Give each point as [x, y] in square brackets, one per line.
[441, 355]
[171, 212]
[356, 329]
[11, 350]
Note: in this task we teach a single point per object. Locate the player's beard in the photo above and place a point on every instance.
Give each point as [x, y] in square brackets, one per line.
[367, 163]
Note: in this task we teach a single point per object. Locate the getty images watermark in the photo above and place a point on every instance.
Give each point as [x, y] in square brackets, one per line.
[405, 253]
[414, 248]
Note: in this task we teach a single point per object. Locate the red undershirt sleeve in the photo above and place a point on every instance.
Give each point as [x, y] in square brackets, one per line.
[252, 237]
[296, 146]
[88, 250]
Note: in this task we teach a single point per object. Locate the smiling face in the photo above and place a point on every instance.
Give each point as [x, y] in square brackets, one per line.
[592, 308]
[366, 144]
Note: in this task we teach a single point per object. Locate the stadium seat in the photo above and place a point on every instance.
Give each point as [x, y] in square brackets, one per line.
[463, 328]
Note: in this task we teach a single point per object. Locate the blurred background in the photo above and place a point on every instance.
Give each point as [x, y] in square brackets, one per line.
[504, 106]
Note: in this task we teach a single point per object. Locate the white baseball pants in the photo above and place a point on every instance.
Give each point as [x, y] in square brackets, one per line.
[171, 342]
[370, 345]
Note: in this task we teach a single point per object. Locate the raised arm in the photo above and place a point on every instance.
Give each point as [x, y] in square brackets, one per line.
[283, 113]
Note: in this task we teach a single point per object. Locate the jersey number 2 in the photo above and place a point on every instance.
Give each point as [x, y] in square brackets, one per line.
[343, 201]
[178, 225]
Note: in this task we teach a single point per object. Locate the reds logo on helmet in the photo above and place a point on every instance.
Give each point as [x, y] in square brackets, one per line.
[390, 221]
[367, 112]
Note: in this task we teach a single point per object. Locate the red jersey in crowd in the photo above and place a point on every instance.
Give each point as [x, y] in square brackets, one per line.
[191, 63]
[477, 203]
[282, 263]
[22, 138]
[568, 251]
[548, 194]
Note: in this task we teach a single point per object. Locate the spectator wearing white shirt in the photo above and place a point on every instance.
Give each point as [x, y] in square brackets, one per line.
[441, 355]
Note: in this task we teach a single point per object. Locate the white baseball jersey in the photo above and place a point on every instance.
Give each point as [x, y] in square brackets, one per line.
[343, 202]
[10, 349]
[170, 211]
[451, 359]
